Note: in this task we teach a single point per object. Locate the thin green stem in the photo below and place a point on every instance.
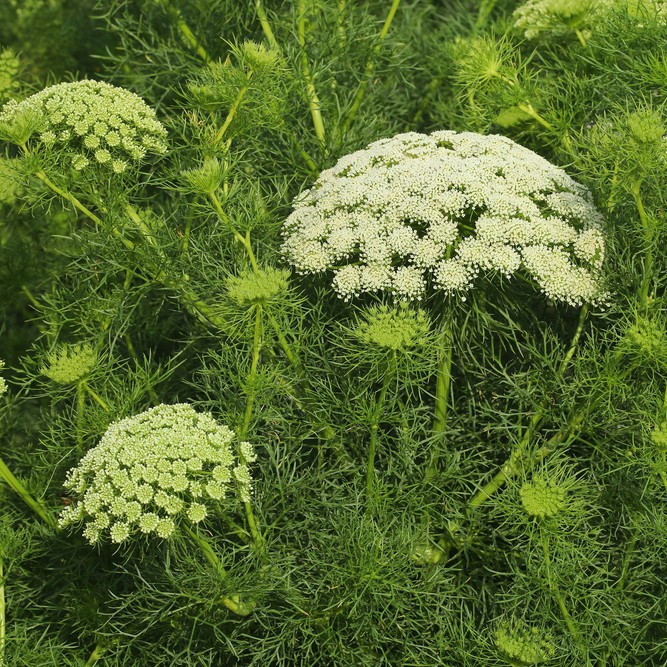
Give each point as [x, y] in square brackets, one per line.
[97, 654]
[232, 603]
[580, 37]
[375, 424]
[187, 34]
[442, 390]
[648, 240]
[35, 505]
[30, 296]
[517, 460]
[289, 353]
[340, 23]
[313, 99]
[251, 390]
[485, 9]
[368, 71]
[560, 599]
[232, 111]
[67, 196]
[95, 396]
[266, 26]
[80, 407]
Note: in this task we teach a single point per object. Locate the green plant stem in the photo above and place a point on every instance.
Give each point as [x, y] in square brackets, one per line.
[375, 424]
[266, 26]
[340, 24]
[232, 111]
[80, 407]
[368, 71]
[517, 460]
[647, 227]
[186, 33]
[560, 599]
[35, 505]
[251, 391]
[95, 396]
[232, 603]
[97, 654]
[485, 9]
[442, 388]
[67, 196]
[313, 99]
[580, 37]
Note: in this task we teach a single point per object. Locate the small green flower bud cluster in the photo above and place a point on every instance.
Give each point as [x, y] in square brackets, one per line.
[207, 179]
[648, 338]
[258, 56]
[659, 438]
[393, 328]
[522, 645]
[94, 122]
[646, 126]
[541, 498]
[152, 471]
[257, 287]
[392, 217]
[70, 363]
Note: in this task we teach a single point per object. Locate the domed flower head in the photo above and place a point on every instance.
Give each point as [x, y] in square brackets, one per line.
[541, 498]
[416, 211]
[395, 329]
[89, 122]
[523, 645]
[153, 471]
[260, 287]
[70, 363]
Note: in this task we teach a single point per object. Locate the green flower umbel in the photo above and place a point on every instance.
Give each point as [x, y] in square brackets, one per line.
[542, 499]
[70, 363]
[154, 471]
[259, 287]
[393, 328]
[91, 122]
[521, 645]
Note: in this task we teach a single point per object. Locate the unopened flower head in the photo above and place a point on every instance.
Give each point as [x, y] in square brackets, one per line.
[647, 337]
[417, 211]
[206, 179]
[152, 471]
[393, 328]
[91, 122]
[541, 498]
[257, 287]
[70, 363]
[523, 645]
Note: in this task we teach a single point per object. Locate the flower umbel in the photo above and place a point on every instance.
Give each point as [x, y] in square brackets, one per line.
[523, 645]
[416, 210]
[95, 122]
[541, 498]
[151, 472]
[393, 328]
[69, 363]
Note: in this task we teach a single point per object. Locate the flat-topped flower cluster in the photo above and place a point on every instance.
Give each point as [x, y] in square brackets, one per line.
[96, 123]
[154, 470]
[416, 210]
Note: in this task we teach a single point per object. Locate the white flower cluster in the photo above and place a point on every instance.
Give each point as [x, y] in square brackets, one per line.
[416, 210]
[558, 17]
[3, 384]
[153, 470]
[95, 122]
